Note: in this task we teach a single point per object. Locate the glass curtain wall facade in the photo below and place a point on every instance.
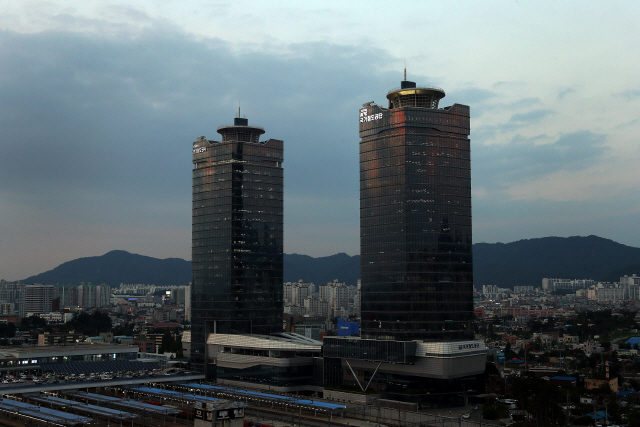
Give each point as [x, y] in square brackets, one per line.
[415, 218]
[237, 237]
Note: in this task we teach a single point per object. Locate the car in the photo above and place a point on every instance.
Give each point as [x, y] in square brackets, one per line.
[465, 416]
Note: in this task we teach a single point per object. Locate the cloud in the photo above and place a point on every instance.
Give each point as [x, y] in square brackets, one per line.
[529, 117]
[523, 103]
[97, 131]
[629, 94]
[477, 98]
[98, 115]
[471, 95]
[565, 92]
[499, 166]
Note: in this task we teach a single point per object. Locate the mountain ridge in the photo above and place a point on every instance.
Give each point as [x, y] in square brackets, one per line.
[521, 263]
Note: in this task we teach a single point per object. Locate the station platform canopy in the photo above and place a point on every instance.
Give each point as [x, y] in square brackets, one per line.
[85, 407]
[176, 395]
[43, 413]
[254, 394]
[126, 403]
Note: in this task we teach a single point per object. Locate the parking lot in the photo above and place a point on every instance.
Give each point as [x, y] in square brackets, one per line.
[25, 378]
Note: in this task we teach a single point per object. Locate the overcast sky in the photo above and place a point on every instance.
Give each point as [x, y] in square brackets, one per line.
[100, 103]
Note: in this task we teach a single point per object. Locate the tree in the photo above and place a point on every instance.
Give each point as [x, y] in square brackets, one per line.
[8, 330]
[492, 410]
[32, 322]
[551, 322]
[178, 347]
[126, 329]
[91, 324]
[508, 353]
[538, 397]
[168, 342]
[171, 344]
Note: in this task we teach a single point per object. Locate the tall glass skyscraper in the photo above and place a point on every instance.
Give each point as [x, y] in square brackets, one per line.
[236, 235]
[415, 218]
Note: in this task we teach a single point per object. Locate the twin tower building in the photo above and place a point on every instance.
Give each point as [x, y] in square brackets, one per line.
[415, 238]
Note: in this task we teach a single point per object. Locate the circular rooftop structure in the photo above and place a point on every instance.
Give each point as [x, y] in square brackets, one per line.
[241, 131]
[410, 95]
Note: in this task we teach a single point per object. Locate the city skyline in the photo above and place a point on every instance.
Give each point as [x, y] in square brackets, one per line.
[94, 98]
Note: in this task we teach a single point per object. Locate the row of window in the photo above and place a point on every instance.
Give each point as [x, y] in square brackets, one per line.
[419, 313]
[424, 130]
[424, 116]
[382, 274]
[428, 202]
[247, 219]
[253, 190]
[274, 185]
[262, 244]
[239, 279]
[399, 164]
[388, 177]
[417, 190]
[421, 214]
[246, 169]
[268, 283]
[380, 251]
[417, 175]
[259, 302]
[406, 138]
[274, 259]
[241, 150]
[415, 152]
[237, 231]
[242, 204]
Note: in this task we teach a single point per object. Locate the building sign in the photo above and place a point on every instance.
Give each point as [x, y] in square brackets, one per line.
[199, 150]
[468, 346]
[368, 118]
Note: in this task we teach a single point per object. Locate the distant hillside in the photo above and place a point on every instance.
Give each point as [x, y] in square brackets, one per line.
[117, 267]
[527, 262]
[321, 270]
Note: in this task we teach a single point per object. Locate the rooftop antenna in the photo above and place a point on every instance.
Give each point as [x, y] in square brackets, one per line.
[405, 69]
[238, 109]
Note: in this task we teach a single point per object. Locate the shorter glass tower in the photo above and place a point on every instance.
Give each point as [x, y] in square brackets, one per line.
[237, 240]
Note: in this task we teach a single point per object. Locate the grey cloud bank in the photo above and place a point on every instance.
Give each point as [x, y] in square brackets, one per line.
[96, 131]
[97, 137]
